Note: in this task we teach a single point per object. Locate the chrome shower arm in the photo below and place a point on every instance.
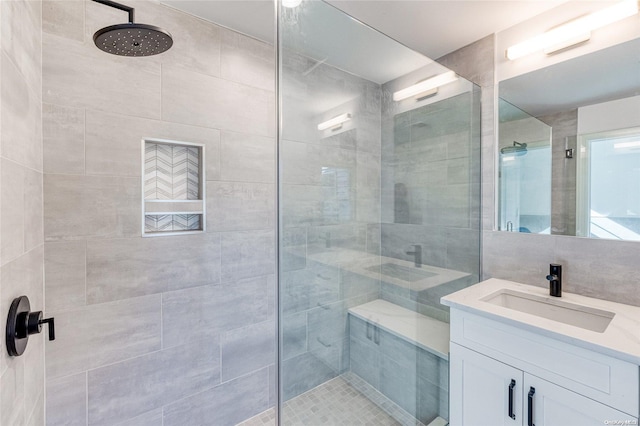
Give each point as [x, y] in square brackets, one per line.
[130, 10]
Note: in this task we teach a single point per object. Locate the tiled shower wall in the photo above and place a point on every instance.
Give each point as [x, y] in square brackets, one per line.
[21, 242]
[165, 330]
[431, 167]
[330, 209]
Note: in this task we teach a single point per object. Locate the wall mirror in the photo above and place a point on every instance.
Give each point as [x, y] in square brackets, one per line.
[569, 145]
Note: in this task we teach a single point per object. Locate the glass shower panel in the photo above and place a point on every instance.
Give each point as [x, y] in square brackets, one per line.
[379, 195]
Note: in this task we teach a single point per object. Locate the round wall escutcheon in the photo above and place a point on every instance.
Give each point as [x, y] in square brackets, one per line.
[17, 325]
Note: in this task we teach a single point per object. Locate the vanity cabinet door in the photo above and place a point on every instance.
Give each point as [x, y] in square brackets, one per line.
[552, 405]
[483, 391]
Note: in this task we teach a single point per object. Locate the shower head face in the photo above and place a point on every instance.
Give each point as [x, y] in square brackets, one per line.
[517, 149]
[133, 40]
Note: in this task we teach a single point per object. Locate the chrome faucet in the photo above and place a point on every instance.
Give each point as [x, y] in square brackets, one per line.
[555, 280]
[417, 253]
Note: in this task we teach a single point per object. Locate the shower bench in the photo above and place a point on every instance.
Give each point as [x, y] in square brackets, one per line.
[403, 355]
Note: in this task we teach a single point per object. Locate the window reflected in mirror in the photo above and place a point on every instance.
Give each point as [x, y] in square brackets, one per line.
[608, 202]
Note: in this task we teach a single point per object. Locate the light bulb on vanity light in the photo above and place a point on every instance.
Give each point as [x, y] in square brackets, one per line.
[573, 32]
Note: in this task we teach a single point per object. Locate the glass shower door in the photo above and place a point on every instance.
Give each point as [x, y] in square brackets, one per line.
[378, 218]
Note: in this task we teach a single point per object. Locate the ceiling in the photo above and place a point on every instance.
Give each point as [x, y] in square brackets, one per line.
[433, 28]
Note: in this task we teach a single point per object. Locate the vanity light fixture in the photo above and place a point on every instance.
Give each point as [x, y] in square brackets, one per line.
[335, 122]
[573, 32]
[621, 145]
[425, 87]
[291, 3]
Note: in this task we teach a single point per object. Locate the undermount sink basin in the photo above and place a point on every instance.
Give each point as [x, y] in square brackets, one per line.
[558, 310]
[402, 272]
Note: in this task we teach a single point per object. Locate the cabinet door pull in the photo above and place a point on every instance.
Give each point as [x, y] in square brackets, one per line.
[532, 392]
[511, 386]
[369, 330]
[376, 335]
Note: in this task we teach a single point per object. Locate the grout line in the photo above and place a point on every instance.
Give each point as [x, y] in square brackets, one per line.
[84, 143]
[86, 296]
[162, 320]
[86, 393]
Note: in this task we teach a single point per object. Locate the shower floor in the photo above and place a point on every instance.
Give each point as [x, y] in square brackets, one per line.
[335, 402]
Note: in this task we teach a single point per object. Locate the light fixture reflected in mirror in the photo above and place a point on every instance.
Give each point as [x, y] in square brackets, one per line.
[426, 87]
[335, 122]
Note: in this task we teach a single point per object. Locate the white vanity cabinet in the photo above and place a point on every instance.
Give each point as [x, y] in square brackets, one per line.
[485, 392]
[501, 374]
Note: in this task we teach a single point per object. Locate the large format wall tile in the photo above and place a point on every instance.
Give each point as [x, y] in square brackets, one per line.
[294, 335]
[22, 40]
[234, 206]
[247, 60]
[113, 142]
[79, 75]
[123, 268]
[98, 335]
[33, 226]
[248, 158]
[516, 256]
[152, 381]
[247, 254]
[227, 404]
[12, 396]
[202, 100]
[248, 349]
[91, 206]
[65, 271]
[11, 210]
[196, 42]
[207, 311]
[33, 359]
[37, 416]
[21, 112]
[64, 18]
[587, 270]
[368, 187]
[307, 164]
[67, 400]
[63, 137]
[303, 372]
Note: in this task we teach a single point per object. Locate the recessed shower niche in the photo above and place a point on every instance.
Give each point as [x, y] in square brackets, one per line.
[173, 188]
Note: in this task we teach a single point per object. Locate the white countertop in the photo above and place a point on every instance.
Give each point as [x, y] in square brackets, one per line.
[428, 333]
[620, 339]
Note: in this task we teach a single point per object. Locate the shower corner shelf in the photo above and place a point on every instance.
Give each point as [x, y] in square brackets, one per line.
[173, 188]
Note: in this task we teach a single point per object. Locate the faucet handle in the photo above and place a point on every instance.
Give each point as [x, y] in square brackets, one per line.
[555, 279]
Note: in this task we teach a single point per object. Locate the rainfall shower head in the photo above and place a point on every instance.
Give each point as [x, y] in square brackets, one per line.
[131, 39]
[517, 149]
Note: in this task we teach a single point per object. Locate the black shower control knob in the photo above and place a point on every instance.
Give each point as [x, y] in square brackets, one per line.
[21, 323]
[34, 324]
